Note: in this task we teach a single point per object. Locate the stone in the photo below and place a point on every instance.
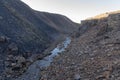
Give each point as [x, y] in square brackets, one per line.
[105, 75]
[77, 77]
[13, 47]
[3, 39]
[13, 64]
[20, 59]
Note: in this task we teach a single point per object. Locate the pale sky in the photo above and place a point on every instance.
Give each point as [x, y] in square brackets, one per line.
[76, 10]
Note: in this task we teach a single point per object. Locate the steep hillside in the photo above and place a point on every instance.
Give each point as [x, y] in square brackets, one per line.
[24, 32]
[59, 22]
[21, 20]
[94, 53]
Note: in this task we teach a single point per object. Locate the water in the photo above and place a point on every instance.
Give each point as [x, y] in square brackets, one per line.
[60, 48]
[33, 72]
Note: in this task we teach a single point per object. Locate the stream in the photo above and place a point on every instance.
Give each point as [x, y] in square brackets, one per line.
[33, 72]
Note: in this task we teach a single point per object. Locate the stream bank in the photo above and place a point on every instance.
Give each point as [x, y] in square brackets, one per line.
[33, 71]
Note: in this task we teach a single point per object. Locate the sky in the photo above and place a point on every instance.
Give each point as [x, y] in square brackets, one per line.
[76, 10]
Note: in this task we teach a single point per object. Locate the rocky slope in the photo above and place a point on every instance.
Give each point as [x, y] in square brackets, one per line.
[94, 53]
[25, 32]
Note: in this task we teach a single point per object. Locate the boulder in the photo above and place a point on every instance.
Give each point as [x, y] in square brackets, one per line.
[3, 39]
[20, 59]
[77, 77]
[13, 47]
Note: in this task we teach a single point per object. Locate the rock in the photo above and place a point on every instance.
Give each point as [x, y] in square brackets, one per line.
[13, 47]
[77, 77]
[13, 64]
[3, 39]
[105, 75]
[20, 59]
[114, 21]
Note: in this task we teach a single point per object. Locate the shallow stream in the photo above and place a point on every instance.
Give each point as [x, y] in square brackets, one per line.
[33, 72]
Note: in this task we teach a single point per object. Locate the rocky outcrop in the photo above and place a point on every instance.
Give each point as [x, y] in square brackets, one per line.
[114, 21]
[93, 55]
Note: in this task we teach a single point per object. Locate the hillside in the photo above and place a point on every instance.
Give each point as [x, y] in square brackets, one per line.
[94, 53]
[59, 22]
[25, 32]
